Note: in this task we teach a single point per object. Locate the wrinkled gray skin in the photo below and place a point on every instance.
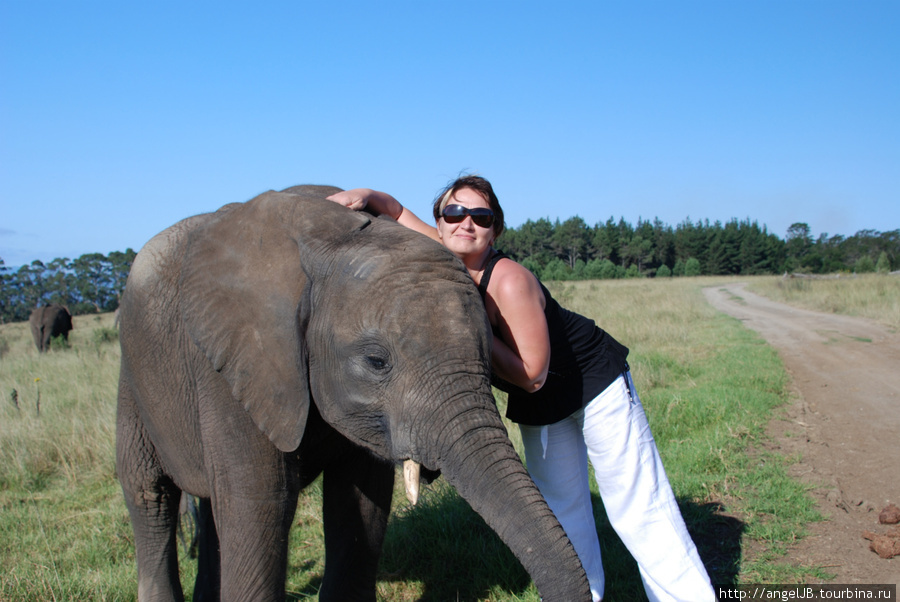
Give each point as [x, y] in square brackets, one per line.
[47, 322]
[288, 336]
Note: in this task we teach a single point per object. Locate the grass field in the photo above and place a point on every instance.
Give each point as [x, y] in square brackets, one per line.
[873, 296]
[709, 386]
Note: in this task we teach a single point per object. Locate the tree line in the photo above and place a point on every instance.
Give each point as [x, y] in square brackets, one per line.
[572, 250]
[92, 283]
[568, 250]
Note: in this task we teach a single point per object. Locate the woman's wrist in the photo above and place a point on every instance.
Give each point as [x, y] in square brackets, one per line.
[384, 204]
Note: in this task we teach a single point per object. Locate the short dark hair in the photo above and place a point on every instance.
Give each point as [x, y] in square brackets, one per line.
[479, 185]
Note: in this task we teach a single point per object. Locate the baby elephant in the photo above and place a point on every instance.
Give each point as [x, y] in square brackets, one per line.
[287, 337]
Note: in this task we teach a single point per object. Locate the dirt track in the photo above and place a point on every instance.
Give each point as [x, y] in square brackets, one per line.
[844, 423]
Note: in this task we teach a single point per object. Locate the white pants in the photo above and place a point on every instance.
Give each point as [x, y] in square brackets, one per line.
[612, 431]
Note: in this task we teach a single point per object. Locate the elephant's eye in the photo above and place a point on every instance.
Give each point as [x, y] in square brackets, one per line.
[373, 358]
[377, 363]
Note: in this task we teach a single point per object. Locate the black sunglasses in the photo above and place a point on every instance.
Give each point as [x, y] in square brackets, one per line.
[453, 214]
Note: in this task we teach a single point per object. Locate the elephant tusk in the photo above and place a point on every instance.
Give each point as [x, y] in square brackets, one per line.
[411, 480]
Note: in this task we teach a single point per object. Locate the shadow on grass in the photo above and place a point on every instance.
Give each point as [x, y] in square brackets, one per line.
[716, 534]
[446, 548]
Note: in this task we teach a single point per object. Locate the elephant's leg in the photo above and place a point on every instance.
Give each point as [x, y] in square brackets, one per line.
[253, 543]
[206, 587]
[152, 500]
[44, 344]
[356, 504]
[253, 502]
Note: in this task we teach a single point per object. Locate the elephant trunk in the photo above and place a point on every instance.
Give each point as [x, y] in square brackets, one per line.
[486, 471]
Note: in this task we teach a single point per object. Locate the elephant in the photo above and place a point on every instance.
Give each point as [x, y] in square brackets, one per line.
[286, 337]
[52, 320]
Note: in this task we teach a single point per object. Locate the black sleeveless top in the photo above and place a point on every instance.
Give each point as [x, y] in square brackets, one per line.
[584, 360]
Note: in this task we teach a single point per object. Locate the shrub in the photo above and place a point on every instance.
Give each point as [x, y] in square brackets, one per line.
[578, 270]
[556, 270]
[533, 266]
[59, 343]
[593, 270]
[105, 335]
[663, 271]
[692, 267]
[608, 270]
[864, 265]
[883, 266]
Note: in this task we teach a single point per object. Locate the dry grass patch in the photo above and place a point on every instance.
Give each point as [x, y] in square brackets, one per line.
[873, 296]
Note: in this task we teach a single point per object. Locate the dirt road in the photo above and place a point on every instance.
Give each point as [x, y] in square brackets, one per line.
[844, 423]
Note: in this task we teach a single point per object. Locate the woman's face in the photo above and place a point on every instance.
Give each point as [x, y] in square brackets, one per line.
[466, 237]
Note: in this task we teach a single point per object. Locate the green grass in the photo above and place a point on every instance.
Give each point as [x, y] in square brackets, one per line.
[709, 387]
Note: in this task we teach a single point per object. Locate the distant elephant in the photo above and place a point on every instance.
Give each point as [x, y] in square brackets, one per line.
[50, 321]
[288, 336]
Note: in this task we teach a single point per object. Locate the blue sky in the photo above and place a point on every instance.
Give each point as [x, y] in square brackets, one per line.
[118, 119]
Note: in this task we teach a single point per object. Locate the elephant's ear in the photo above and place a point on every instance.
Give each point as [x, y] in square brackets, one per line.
[245, 301]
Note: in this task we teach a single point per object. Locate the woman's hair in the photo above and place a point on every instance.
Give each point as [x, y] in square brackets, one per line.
[479, 185]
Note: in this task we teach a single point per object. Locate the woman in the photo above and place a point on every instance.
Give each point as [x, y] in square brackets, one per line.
[571, 393]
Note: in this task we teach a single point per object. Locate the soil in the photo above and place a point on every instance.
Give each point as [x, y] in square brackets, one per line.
[842, 423]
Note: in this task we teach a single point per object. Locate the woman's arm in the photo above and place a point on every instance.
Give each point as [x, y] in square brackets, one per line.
[521, 352]
[381, 203]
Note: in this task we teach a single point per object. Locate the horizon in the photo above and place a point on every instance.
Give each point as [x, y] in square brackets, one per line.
[674, 227]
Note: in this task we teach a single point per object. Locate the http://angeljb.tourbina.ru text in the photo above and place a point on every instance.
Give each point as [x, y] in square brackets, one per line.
[787, 593]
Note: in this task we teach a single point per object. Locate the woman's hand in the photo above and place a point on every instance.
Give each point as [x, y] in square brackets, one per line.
[381, 203]
[355, 199]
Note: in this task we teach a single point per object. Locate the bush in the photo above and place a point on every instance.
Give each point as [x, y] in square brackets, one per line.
[883, 266]
[864, 265]
[593, 270]
[663, 271]
[692, 267]
[556, 270]
[578, 270]
[608, 270]
[533, 266]
[105, 335]
[59, 343]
